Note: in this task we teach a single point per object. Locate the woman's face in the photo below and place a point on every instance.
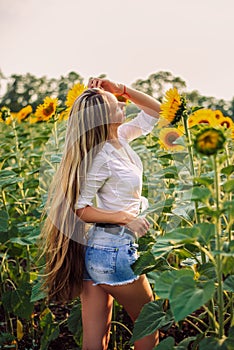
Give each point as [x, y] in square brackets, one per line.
[117, 109]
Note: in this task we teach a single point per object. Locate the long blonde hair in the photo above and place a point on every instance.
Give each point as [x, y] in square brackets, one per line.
[62, 233]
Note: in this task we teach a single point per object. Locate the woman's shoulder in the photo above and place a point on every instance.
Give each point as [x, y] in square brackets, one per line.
[103, 154]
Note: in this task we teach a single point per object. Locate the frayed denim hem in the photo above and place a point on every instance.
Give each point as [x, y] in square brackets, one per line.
[122, 283]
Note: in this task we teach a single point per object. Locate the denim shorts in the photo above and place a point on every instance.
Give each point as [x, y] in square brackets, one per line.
[109, 256]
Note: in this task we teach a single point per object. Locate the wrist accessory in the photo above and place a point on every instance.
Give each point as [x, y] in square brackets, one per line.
[124, 93]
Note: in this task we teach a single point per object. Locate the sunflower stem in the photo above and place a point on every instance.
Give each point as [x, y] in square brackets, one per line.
[218, 249]
[56, 135]
[18, 159]
[192, 169]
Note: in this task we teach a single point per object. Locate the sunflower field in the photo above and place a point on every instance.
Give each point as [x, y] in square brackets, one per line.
[188, 253]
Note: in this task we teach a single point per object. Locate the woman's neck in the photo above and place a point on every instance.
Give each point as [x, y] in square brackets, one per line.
[113, 132]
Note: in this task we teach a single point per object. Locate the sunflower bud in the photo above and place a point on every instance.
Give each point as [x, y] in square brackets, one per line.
[209, 141]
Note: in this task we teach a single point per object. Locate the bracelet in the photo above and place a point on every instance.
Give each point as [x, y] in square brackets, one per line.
[125, 92]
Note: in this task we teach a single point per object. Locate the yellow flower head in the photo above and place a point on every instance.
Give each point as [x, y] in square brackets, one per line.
[73, 93]
[209, 141]
[202, 116]
[23, 113]
[46, 110]
[172, 106]
[167, 136]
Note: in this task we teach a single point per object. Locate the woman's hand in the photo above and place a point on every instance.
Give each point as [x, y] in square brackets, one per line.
[139, 226]
[107, 85]
[142, 100]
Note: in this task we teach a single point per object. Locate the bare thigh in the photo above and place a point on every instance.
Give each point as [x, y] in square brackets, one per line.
[133, 297]
[96, 316]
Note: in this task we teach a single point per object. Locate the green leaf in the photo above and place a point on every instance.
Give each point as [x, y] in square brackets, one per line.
[206, 232]
[229, 284]
[160, 207]
[170, 172]
[37, 292]
[18, 301]
[207, 271]
[228, 186]
[187, 295]
[229, 207]
[75, 321]
[228, 170]
[151, 318]
[166, 344]
[20, 240]
[204, 180]
[3, 221]
[229, 342]
[228, 265]
[9, 177]
[184, 344]
[164, 281]
[201, 194]
[183, 211]
[145, 262]
[50, 329]
[145, 242]
[182, 235]
[161, 248]
[210, 343]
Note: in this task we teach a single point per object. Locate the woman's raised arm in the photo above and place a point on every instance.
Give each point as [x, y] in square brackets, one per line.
[145, 102]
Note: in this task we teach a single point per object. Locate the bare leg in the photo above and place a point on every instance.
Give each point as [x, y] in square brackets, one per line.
[96, 316]
[133, 297]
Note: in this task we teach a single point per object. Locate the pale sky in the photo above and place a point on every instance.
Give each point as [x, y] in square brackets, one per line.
[126, 39]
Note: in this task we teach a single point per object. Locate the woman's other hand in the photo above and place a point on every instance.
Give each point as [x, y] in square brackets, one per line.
[139, 226]
[107, 85]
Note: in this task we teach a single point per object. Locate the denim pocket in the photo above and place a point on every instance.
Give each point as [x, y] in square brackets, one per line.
[101, 259]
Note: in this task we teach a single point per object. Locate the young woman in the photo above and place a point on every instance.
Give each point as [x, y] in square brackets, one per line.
[98, 165]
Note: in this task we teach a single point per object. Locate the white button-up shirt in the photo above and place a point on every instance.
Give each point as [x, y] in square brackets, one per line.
[115, 177]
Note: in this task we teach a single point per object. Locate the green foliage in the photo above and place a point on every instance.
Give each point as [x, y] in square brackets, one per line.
[49, 327]
[188, 252]
[151, 318]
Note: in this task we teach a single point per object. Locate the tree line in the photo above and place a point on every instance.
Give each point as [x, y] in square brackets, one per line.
[25, 89]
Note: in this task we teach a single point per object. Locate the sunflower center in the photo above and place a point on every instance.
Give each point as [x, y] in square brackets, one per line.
[209, 140]
[49, 109]
[171, 137]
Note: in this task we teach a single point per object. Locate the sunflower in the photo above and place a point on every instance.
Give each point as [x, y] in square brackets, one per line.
[46, 110]
[209, 141]
[172, 106]
[167, 136]
[73, 93]
[202, 116]
[23, 113]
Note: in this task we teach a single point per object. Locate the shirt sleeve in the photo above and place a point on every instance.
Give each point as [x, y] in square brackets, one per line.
[142, 124]
[95, 179]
